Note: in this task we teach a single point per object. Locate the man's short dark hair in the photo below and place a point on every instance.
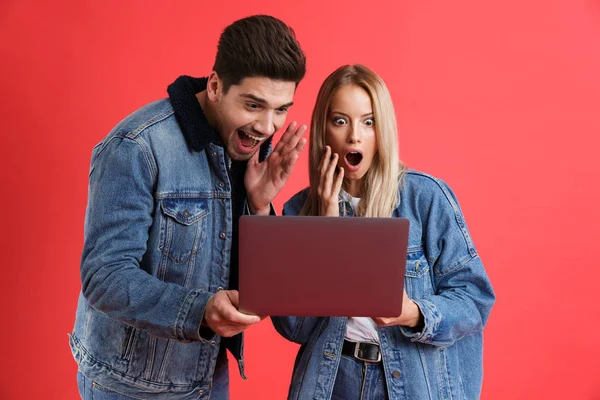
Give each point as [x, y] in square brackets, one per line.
[259, 45]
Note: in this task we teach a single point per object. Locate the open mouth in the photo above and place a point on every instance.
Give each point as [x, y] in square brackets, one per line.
[248, 140]
[353, 158]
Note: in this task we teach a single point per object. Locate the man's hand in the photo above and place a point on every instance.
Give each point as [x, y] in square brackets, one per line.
[411, 315]
[222, 316]
[264, 180]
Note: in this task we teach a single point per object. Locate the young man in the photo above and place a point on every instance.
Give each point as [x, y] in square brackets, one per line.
[158, 305]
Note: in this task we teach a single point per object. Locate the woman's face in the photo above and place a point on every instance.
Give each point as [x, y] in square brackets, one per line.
[350, 132]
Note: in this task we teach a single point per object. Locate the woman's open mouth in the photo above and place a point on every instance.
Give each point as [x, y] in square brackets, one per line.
[353, 160]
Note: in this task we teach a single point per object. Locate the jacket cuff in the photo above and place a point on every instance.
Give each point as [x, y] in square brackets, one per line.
[431, 321]
[191, 313]
[206, 334]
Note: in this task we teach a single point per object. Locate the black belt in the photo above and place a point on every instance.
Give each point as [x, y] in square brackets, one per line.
[368, 352]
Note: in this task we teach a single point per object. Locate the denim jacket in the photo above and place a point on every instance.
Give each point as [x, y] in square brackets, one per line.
[444, 276]
[158, 237]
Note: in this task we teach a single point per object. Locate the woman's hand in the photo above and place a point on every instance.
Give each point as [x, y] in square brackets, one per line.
[411, 315]
[330, 184]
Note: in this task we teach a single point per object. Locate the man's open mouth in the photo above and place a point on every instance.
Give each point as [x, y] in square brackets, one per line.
[248, 140]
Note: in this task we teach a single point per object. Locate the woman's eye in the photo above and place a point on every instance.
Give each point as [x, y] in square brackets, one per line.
[369, 122]
[339, 121]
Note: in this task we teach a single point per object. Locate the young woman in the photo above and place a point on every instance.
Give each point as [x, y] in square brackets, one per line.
[434, 349]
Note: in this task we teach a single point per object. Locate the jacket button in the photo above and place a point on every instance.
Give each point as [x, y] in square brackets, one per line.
[186, 213]
[396, 374]
[222, 235]
[221, 184]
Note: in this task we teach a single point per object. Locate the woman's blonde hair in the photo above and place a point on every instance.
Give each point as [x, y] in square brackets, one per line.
[379, 194]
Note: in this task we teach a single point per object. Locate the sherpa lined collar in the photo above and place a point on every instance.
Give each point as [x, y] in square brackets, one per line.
[189, 115]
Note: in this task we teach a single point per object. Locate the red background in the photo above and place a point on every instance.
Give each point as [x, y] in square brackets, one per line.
[500, 99]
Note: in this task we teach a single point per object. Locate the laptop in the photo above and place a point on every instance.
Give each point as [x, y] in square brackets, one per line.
[322, 266]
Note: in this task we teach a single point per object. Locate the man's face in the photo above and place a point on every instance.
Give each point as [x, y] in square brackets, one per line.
[250, 112]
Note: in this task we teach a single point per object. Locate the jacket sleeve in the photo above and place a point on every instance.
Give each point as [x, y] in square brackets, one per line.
[118, 220]
[463, 293]
[296, 329]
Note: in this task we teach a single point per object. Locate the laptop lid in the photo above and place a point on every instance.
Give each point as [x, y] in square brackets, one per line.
[322, 266]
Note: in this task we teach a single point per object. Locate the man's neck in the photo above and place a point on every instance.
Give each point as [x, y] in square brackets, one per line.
[206, 107]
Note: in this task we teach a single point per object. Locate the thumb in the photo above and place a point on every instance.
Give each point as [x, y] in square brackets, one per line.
[234, 297]
[254, 159]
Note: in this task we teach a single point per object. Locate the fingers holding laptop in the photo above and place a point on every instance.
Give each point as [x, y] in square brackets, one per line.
[222, 315]
[411, 315]
[330, 184]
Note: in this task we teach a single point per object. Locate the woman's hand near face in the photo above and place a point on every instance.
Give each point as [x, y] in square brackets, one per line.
[330, 184]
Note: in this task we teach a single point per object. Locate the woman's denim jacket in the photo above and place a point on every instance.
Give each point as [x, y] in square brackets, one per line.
[444, 276]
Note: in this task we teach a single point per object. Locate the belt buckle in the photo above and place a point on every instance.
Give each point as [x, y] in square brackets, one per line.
[357, 351]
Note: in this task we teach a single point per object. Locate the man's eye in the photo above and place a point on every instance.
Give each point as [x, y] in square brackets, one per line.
[283, 109]
[253, 106]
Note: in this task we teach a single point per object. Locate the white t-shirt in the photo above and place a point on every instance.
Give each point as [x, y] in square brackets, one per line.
[361, 329]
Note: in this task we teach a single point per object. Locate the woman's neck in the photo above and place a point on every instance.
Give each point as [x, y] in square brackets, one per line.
[354, 188]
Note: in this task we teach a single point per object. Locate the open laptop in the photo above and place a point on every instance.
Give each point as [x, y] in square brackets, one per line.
[322, 266]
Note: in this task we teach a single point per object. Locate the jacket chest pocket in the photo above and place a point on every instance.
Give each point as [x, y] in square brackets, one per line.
[417, 280]
[182, 228]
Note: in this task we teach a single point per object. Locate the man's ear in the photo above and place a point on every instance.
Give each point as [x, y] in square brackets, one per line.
[214, 88]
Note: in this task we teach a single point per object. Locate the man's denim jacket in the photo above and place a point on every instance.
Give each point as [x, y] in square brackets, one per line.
[158, 238]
